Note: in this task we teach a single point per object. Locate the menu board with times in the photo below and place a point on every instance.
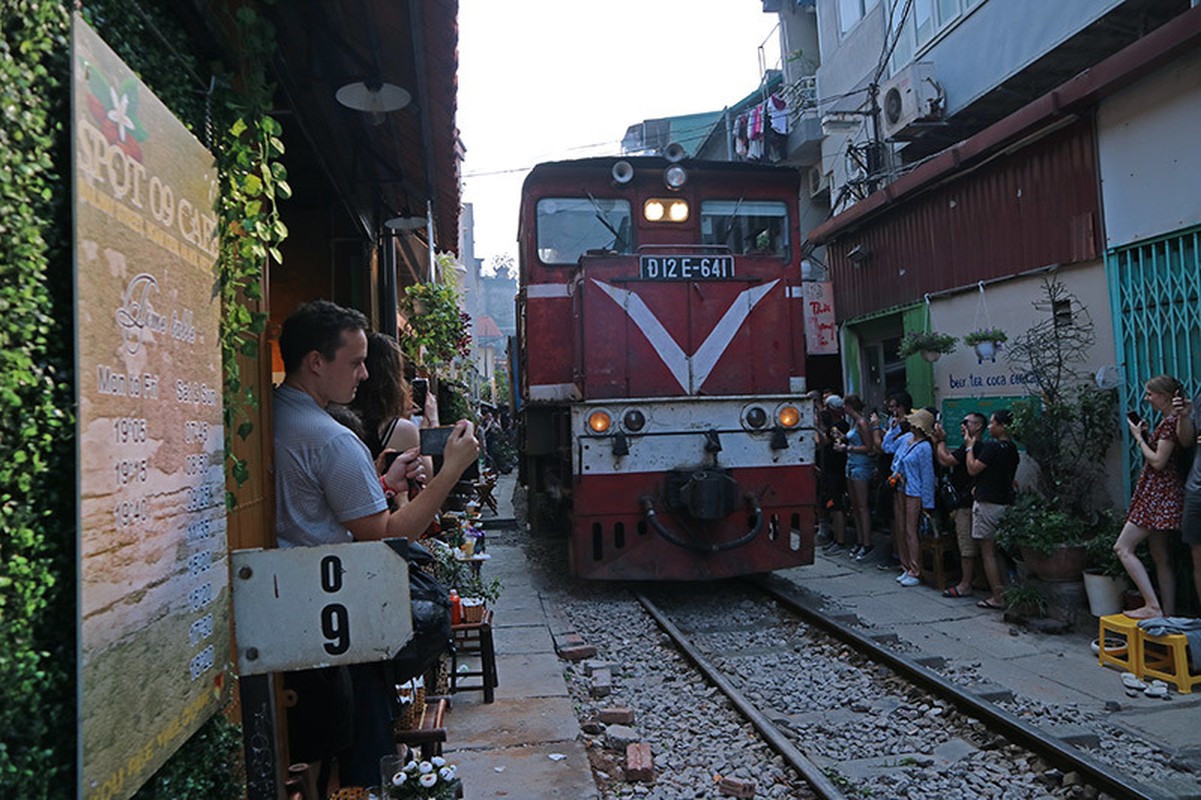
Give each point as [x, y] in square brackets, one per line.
[154, 577]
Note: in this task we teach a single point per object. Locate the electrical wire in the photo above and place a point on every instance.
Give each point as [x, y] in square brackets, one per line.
[897, 30]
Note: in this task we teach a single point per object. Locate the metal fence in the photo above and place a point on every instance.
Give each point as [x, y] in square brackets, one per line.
[1153, 289]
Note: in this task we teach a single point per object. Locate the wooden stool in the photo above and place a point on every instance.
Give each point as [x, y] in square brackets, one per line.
[475, 638]
[428, 730]
[938, 560]
[1123, 627]
[484, 489]
[1166, 657]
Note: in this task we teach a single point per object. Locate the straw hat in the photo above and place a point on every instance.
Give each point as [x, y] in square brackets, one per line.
[923, 420]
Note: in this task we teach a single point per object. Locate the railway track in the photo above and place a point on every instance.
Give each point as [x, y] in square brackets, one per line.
[718, 651]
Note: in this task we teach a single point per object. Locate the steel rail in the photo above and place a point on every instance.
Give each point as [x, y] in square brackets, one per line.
[817, 779]
[1052, 748]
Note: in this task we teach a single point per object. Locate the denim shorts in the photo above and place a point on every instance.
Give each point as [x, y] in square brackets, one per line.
[859, 473]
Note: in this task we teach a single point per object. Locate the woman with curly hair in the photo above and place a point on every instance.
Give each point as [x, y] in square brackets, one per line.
[383, 401]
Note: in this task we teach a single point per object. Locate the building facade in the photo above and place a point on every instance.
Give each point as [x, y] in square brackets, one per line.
[976, 148]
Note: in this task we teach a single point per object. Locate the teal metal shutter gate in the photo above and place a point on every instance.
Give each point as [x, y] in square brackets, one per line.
[1154, 289]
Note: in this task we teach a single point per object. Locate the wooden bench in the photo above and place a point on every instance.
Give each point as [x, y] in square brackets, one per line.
[429, 729]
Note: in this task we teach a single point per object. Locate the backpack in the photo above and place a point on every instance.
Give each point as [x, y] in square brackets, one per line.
[431, 618]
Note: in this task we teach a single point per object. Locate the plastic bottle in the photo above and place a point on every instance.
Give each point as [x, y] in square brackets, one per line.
[456, 608]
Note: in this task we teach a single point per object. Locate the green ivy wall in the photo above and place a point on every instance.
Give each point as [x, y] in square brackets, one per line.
[37, 434]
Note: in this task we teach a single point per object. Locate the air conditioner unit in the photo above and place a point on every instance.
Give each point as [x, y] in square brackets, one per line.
[818, 181]
[908, 99]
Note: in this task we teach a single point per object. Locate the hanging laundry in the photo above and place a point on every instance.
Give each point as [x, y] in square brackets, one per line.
[777, 112]
[756, 124]
[740, 136]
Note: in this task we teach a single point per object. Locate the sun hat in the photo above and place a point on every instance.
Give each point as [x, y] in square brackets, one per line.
[923, 420]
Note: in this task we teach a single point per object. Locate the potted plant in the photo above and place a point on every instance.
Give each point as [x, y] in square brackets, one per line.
[438, 330]
[986, 342]
[931, 344]
[463, 576]
[1024, 600]
[418, 780]
[1105, 578]
[1069, 423]
[1049, 537]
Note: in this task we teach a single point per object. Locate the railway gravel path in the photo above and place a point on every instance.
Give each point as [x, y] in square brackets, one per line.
[874, 733]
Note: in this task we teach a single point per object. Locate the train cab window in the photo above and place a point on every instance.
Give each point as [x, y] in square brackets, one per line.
[747, 227]
[568, 227]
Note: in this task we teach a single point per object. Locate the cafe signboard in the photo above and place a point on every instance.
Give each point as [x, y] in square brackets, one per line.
[154, 578]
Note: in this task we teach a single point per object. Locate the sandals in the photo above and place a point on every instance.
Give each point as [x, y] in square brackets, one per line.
[990, 603]
[954, 592]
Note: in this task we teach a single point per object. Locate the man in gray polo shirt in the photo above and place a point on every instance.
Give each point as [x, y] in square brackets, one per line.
[327, 491]
[326, 487]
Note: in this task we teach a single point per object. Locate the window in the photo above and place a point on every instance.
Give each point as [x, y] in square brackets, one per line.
[747, 227]
[923, 19]
[902, 33]
[1061, 312]
[947, 11]
[568, 227]
[851, 11]
[926, 18]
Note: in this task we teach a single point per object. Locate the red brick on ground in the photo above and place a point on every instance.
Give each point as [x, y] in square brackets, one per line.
[640, 766]
[732, 787]
[577, 653]
[616, 715]
[568, 639]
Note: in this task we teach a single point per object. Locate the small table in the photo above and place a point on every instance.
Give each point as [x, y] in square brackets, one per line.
[475, 560]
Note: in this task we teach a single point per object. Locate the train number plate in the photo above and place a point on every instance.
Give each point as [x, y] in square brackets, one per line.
[685, 268]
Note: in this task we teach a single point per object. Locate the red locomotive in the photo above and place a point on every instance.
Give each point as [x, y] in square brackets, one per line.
[661, 367]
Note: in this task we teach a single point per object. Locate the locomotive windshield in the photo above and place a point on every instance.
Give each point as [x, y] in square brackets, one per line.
[568, 227]
[747, 227]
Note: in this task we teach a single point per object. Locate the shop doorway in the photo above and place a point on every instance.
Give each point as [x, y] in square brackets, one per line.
[878, 371]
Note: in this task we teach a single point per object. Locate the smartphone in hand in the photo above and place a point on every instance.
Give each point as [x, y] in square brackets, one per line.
[433, 440]
[1134, 418]
[421, 388]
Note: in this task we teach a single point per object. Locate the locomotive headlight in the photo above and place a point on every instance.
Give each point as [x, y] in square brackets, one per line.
[675, 176]
[669, 209]
[599, 422]
[634, 420]
[789, 416]
[756, 417]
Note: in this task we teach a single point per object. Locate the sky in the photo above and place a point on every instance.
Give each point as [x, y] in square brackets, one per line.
[548, 80]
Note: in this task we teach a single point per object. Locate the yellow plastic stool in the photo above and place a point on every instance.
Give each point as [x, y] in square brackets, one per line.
[1166, 658]
[1128, 658]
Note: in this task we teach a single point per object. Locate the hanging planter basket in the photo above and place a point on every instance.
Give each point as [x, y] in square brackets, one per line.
[986, 350]
[986, 342]
[929, 344]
